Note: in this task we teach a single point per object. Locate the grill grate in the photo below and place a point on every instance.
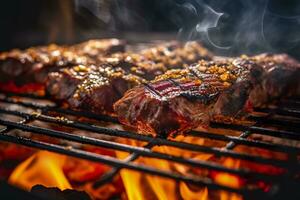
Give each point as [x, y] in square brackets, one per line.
[292, 165]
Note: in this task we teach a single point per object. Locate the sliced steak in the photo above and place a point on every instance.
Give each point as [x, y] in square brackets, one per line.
[97, 89]
[154, 61]
[102, 47]
[62, 84]
[281, 79]
[34, 64]
[101, 88]
[180, 100]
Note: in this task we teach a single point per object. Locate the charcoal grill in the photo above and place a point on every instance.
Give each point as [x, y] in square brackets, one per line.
[284, 186]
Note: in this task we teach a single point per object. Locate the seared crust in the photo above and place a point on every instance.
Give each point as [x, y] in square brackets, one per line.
[97, 88]
[34, 64]
[101, 87]
[152, 62]
[62, 84]
[281, 79]
[180, 100]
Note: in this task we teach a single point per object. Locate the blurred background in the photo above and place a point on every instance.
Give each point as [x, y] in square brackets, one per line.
[228, 27]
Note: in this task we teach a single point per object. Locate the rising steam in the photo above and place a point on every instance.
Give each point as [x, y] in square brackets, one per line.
[227, 27]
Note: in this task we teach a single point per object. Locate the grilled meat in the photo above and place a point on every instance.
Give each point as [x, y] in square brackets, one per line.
[34, 64]
[96, 48]
[281, 79]
[97, 88]
[92, 88]
[180, 100]
[101, 88]
[166, 106]
[154, 61]
[62, 84]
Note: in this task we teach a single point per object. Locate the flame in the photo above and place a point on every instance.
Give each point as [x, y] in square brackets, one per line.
[43, 168]
[48, 169]
[187, 193]
[131, 180]
[32, 88]
[142, 186]
[229, 180]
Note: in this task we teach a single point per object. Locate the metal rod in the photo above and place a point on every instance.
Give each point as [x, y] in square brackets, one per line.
[128, 148]
[243, 141]
[118, 163]
[233, 144]
[107, 177]
[280, 111]
[93, 128]
[158, 141]
[286, 123]
[261, 130]
[94, 116]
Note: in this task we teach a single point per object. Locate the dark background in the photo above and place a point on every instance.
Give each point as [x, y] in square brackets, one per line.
[252, 26]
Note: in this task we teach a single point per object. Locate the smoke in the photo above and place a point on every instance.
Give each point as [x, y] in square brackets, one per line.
[234, 27]
[206, 19]
[97, 7]
[225, 26]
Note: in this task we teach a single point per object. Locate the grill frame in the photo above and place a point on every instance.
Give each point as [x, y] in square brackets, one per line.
[292, 165]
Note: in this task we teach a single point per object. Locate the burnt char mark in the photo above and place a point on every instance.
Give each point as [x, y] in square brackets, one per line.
[205, 89]
[191, 70]
[176, 84]
[205, 94]
[152, 90]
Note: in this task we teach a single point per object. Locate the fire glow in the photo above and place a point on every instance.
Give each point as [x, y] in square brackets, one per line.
[47, 168]
[41, 168]
[143, 187]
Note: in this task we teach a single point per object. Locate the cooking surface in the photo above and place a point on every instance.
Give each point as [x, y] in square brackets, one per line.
[48, 137]
[263, 129]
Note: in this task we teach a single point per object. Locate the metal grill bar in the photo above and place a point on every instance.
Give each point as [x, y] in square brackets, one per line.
[104, 118]
[136, 152]
[131, 135]
[128, 148]
[282, 122]
[93, 128]
[111, 174]
[286, 111]
[243, 141]
[233, 144]
[260, 130]
[118, 163]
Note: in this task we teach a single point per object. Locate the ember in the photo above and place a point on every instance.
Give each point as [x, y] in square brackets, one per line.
[30, 88]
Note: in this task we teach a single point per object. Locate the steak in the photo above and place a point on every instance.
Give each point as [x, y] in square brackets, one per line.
[96, 48]
[281, 79]
[34, 64]
[101, 88]
[182, 99]
[151, 62]
[63, 83]
[96, 89]
[93, 88]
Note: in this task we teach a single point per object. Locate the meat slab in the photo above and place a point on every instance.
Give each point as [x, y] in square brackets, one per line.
[34, 64]
[183, 99]
[97, 87]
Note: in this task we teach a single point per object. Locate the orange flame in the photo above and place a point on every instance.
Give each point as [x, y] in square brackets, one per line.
[229, 180]
[142, 186]
[187, 193]
[31, 88]
[43, 168]
[138, 186]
